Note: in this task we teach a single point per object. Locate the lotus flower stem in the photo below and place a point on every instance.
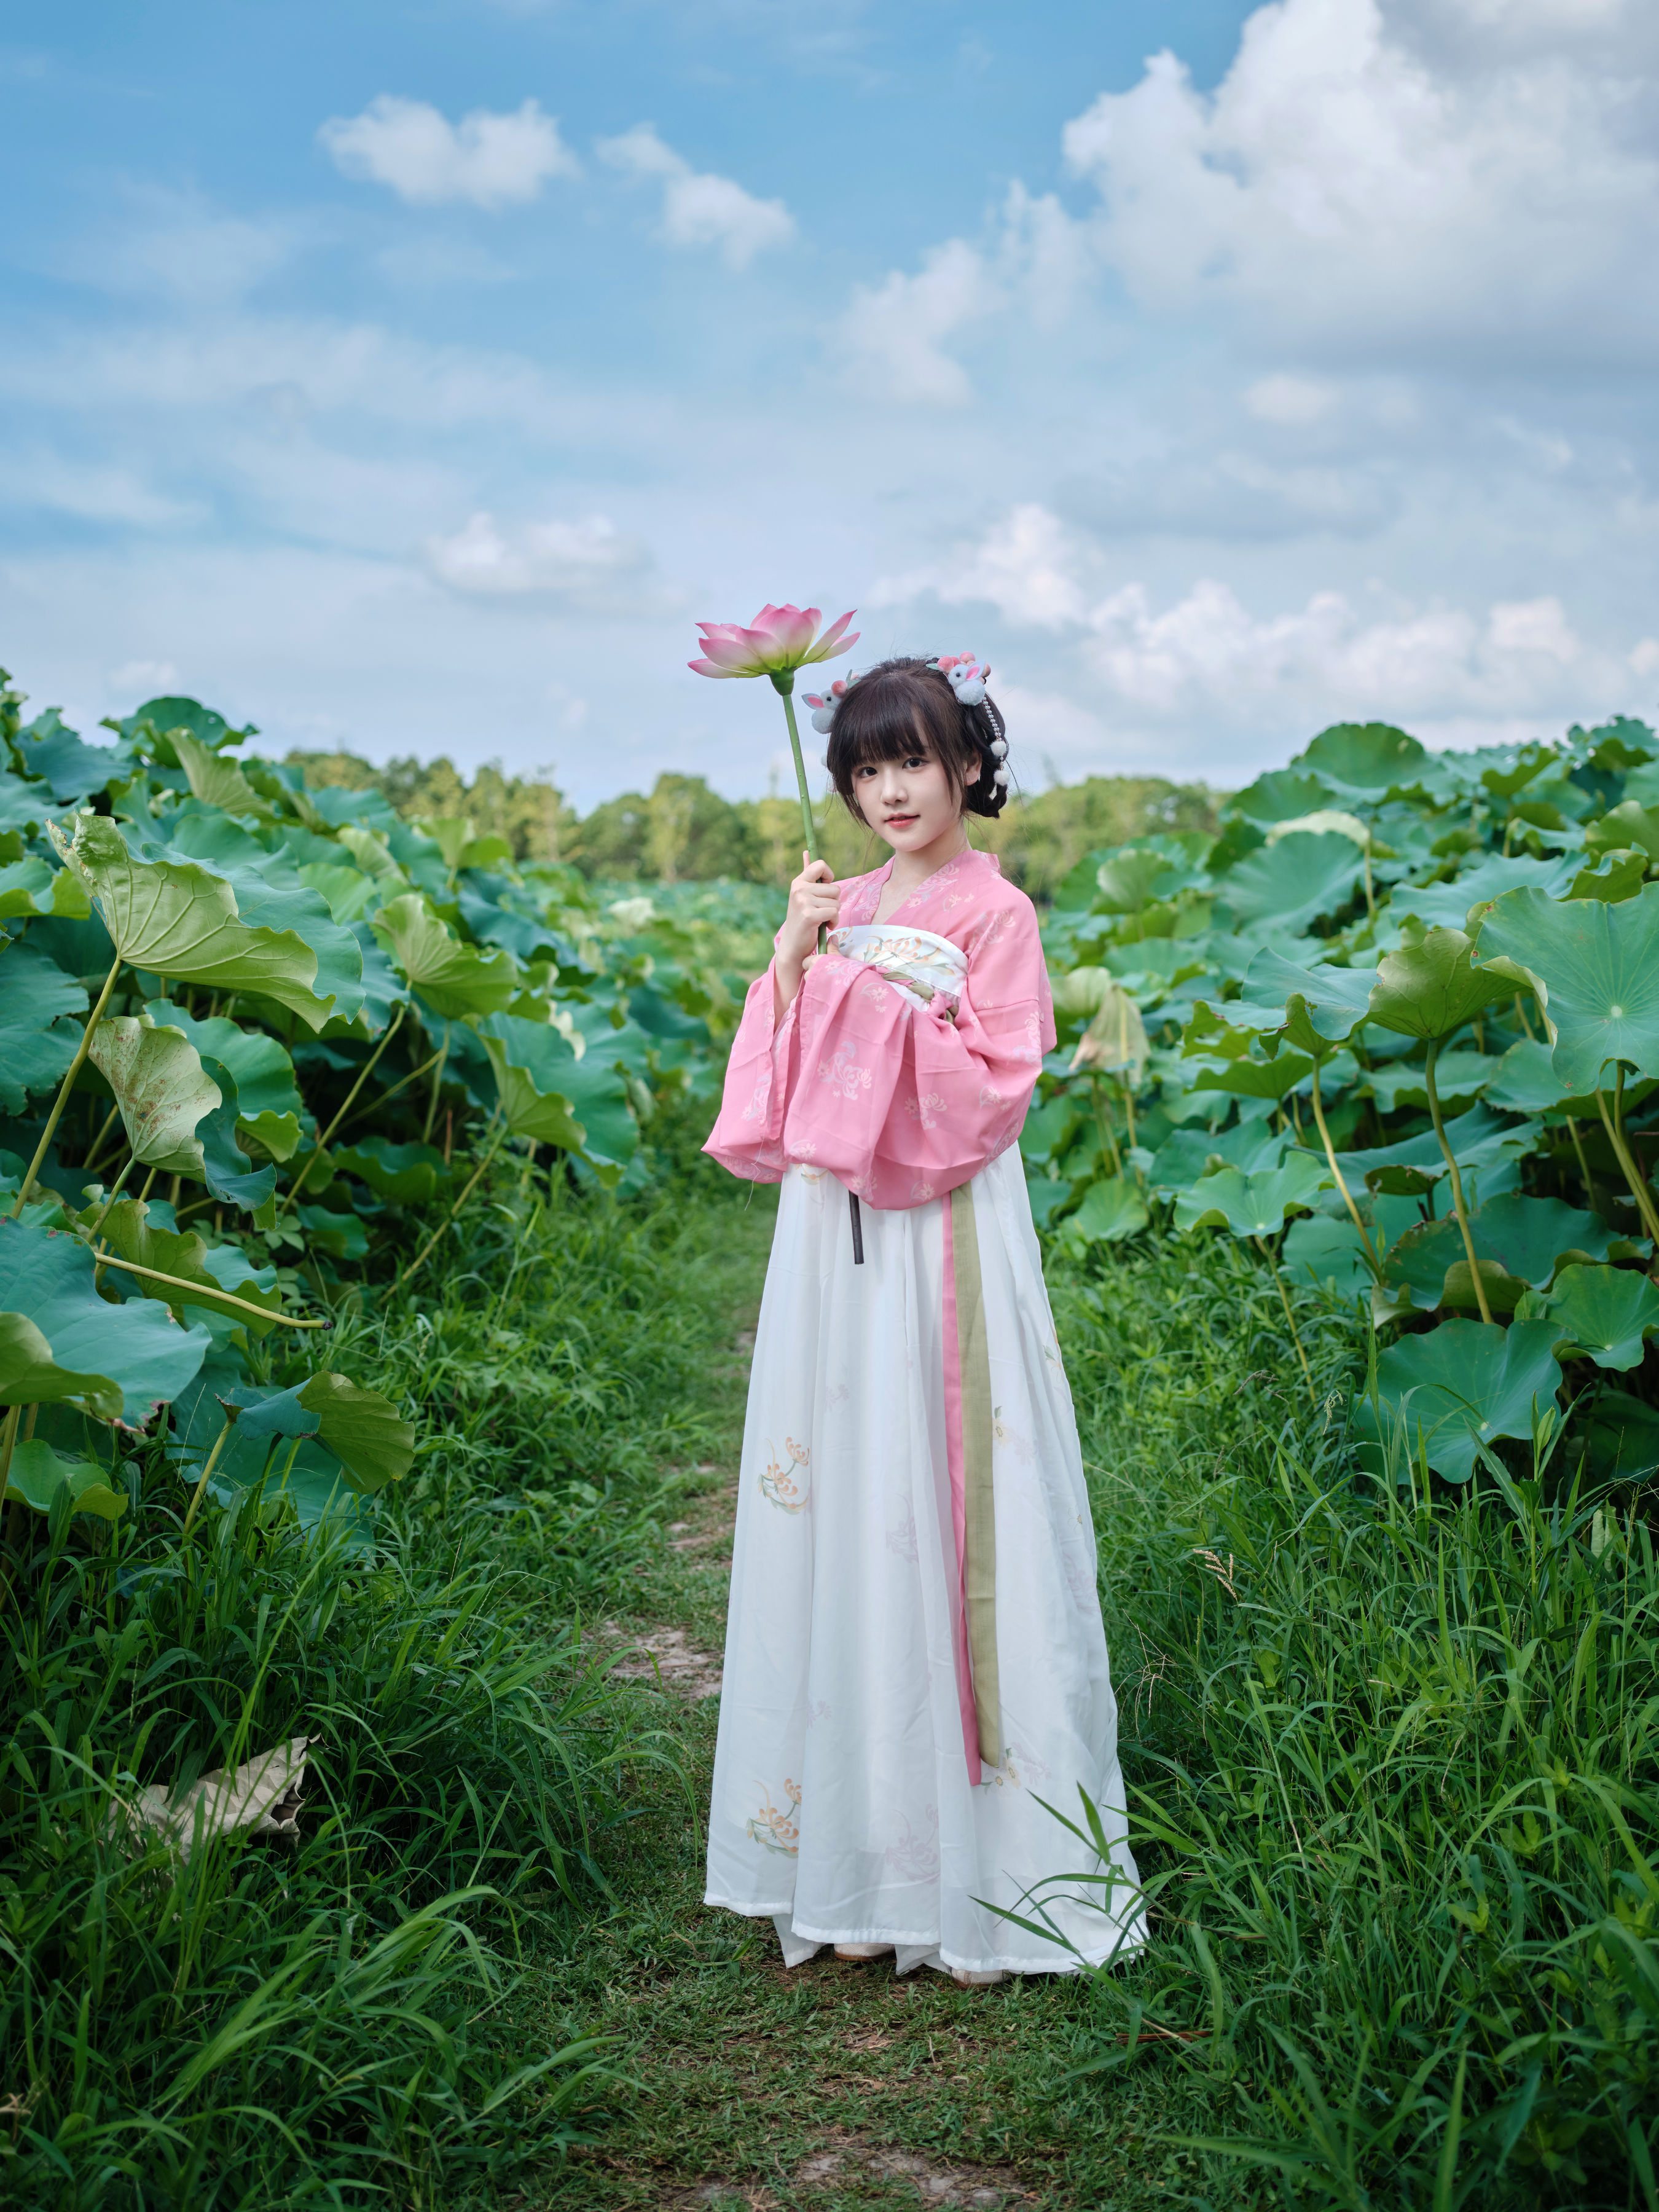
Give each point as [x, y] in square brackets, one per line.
[65, 1087]
[298, 1182]
[421, 1258]
[213, 1461]
[1613, 1123]
[1330, 1158]
[1266, 1250]
[1458, 1206]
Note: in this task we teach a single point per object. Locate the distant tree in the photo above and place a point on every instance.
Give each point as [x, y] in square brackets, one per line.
[530, 812]
[683, 832]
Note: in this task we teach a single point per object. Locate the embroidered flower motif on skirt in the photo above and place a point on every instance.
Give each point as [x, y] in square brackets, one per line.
[921, 1193]
[916, 1857]
[925, 1107]
[775, 1829]
[843, 1075]
[1021, 1766]
[902, 1537]
[778, 1486]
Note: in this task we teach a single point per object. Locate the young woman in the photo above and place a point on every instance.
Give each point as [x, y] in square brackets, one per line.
[914, 1653]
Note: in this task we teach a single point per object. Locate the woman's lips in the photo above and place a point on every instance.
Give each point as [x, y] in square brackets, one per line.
[900, 821]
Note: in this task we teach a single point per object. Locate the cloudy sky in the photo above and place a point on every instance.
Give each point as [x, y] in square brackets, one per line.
[413, 376]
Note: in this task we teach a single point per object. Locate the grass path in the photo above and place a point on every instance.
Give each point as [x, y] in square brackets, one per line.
[836, 2085]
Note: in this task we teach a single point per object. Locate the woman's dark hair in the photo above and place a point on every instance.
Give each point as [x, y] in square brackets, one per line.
[903, 706]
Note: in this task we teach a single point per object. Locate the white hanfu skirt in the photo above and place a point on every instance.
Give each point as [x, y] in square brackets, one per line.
[844, 1803]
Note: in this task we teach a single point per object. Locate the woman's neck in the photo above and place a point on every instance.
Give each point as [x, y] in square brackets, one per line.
[911, 869]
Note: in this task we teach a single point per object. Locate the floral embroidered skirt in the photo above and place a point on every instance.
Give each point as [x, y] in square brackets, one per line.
[854, 1798]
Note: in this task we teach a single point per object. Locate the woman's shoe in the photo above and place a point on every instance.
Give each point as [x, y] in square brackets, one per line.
[863, 1950]
[969, 1980]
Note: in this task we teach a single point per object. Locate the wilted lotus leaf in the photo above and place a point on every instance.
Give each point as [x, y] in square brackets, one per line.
[454, 979]
[1606, 1313]
[1596, 968]
[161, 1088]
[1428, 990]
[214, 780]
[261, 1798]
[1116, 1039]
[1254, 1204]
[177, 919]
[37, 1472]
[1321, 819]
[1464, 1383]
[38, 1038]
[1111, 1210]
[1084, 991]
[62, 1343]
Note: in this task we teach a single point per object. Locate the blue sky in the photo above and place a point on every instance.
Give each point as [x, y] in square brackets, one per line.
[413, 378]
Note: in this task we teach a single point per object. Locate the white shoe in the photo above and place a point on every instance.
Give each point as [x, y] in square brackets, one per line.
[970, 1980]
[863, 1950]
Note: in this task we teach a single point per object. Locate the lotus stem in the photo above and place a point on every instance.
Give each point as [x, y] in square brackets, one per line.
[1614, 1125]
[437, 1083]
[1584, 1164]
[202, 1294]
[1129, 1115]
[1266, 1250]
[1458, 1206]
[115, 1192]
[1330, 1159]
[201, 1487]
[402, 1084]
[421, 1258]
[65, 1087]
[8, 1444]
[1370, 895]
[298, 1183]
[1520, 1015]
[96, 1145]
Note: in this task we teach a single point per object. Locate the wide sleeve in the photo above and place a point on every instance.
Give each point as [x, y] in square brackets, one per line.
[899, 1104]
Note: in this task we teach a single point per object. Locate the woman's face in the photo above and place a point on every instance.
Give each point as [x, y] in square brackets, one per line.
[911, 803]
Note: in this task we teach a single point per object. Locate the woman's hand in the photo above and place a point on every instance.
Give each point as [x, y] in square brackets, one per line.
[814, 904]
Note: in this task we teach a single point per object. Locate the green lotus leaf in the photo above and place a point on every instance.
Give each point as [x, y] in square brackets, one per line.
[227, 1169]
[1479, 1140]
[182, 922]
[1084, 991]
[1112, 1210]
[1254, 1204]
[496, 912]
[119, 1361]
[1597, 969]
[25, 807]
[549, 1094]
[72, 768]
[210, 1274]
[1620, 876]
[1624, 827]
[1463, 1384]
[37, 1472]
[1049, 1127]
[214, 780]
[1294, 882]
[608, 1041]
[38, 1036]
[262, 1068]
[1623, 1434]
[1256, 1079]
[1606, 1313]
[454, 979]
[269, 895]
[1370, 757]
[1452, 906]
[659, 1017]
[1520, 1242]
[159, 1085]
[1319, 1249]
[1322, 1005]
[1127, 881]
[1283, 794]
[152, 726]
[348, 893]
[340, 1235]
[30, 886]
[364, 1431]
[1521, 767]
[1428, 990]
[1459, 1076]
[1525, 1082]
[407, 1174]
[1187, 1155]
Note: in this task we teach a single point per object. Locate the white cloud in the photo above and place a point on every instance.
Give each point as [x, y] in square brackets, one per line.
[489, 160]
[1290, 401]
[1338, 183]
[698, 208]
[590, 563]
[892, 337]
[139, 680]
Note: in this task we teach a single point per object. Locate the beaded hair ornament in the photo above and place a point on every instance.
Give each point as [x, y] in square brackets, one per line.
[966, 678]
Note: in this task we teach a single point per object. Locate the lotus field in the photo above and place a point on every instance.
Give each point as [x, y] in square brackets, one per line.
[1396, 1028]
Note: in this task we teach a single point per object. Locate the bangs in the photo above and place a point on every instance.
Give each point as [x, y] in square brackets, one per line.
[897, 711]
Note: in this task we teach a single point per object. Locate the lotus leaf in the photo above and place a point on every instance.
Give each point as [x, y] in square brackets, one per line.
[1254, 1204]
[271, 894]
[38, 1036]
[1188, 1154]
[1115, 1041]
[262, 1068]
[1129, 880]
[1624, 1433]
[37, 1472]
[1292, 883]
[25, 807]
[211, 1274]
[212, 779]
[1428, 990]
[159, 1085]
[1256, 1079]
[1112, 1210]
[660, 1018]
[364, 1431]
[1624, 827]
[343, 1236]
[72, 768]
[120, 1362]
[227, 1170]
[1597, 969]
[157, 719]
[1620, 876]
[1370, 756]
[1606, 1313]
[454, 979]
[407, 1174]
[182, 922]
[29, 886]
[497, 913]
[1281, 795]
[348, 893]
[549, 1094]
[1463, 1384]
[1320, 1250]
[1479, 1139]
[1525, 1082]
[1452, 906]
[1459, 1076]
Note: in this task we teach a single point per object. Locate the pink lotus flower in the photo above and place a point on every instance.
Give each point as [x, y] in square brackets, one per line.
[779, 641]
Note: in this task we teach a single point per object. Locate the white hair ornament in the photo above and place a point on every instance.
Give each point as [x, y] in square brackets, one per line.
[823, 704]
